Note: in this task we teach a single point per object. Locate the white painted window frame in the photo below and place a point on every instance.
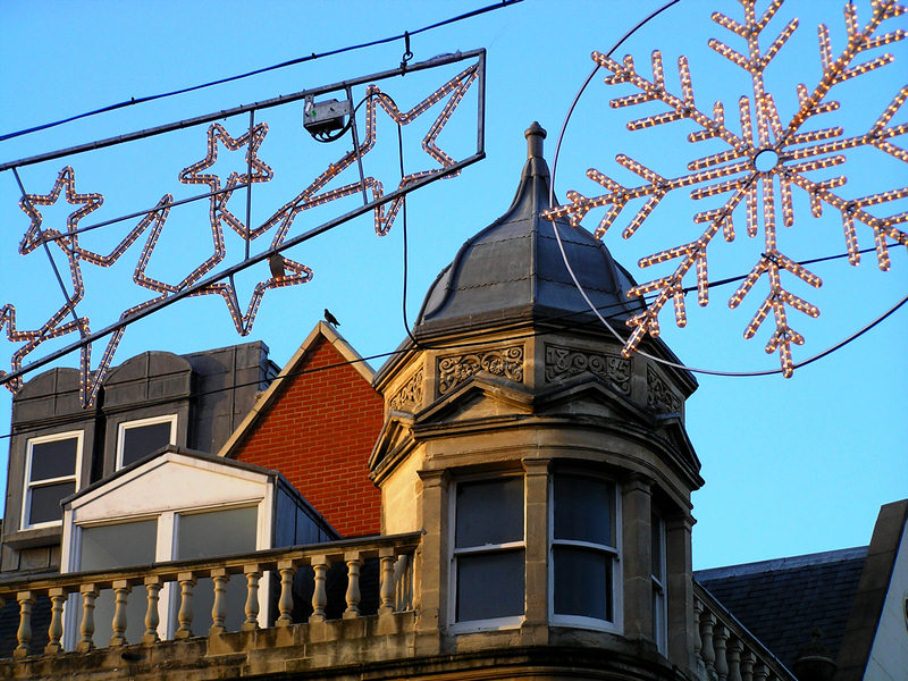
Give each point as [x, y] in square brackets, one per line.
[139, 423]
[614, 552]
[496, 623]
[660, 590]
[27, 486]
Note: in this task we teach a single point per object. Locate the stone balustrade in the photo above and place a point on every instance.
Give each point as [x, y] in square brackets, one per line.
[394, 555]
[725, 650]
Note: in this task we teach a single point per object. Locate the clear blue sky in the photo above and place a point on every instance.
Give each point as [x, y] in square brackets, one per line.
[792, 466]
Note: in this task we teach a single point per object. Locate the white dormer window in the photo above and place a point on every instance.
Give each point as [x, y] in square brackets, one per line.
[585, 550]
[51, 474]
[138, 439]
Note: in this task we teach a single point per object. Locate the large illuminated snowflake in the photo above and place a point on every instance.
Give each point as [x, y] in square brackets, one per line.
[760, 168]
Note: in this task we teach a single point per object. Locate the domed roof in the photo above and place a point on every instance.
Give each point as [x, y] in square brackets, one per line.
[513, 270]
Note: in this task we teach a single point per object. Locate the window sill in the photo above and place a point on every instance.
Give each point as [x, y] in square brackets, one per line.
[578, 622]
[479, 626]
[34, 536]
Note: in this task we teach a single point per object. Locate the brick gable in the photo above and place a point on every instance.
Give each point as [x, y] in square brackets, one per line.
[318, 432]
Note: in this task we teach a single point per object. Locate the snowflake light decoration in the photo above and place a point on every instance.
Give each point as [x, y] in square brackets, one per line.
[766, 161]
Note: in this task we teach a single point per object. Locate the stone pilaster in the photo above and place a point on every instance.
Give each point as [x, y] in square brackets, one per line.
[535, 627]
[681, 636]
[636, 557]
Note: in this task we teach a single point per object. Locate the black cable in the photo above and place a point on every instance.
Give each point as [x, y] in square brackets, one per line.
[291, 62]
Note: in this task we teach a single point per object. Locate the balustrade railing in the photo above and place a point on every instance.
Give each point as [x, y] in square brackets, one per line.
[394, 555]
[725, 650]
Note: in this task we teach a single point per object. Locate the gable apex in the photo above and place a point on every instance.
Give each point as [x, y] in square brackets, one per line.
[322, 332]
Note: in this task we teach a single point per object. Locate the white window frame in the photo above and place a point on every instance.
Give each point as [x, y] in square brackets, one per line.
[139, 423]
[495, 623]
[28, 485]
[581, 621]
[660, 588]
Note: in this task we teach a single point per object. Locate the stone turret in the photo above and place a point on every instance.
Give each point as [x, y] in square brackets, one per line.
[550, 474]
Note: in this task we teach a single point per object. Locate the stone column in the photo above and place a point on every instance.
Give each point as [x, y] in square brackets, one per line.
[431, 564]
[636, 557]
[535, 627]
[681, 634]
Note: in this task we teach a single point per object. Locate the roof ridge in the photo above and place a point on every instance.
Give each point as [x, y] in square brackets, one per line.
[780, 564]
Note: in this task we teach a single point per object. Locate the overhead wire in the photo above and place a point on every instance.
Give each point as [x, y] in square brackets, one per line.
[677, 365]
[132, 101]
[531, 334]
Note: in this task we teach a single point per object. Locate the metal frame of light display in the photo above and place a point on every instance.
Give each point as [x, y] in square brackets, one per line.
[759, 170]
[202, 280]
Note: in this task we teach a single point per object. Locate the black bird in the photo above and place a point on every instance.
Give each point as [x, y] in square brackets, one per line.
[276, 265]
[330, 318]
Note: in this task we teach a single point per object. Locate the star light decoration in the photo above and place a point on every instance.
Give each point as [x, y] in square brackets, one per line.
[284, 272]
[760, 169]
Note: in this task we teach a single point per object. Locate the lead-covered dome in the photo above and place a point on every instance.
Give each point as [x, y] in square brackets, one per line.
[513, 270]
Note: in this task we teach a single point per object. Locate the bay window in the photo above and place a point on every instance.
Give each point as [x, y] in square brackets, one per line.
[584, 541]
[489, 553]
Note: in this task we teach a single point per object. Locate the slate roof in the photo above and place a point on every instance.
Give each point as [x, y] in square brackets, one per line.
[782, 602]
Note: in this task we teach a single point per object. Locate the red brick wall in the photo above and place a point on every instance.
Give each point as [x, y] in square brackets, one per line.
[319, 432]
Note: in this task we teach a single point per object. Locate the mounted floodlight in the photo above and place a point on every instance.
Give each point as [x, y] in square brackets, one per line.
[322, 118]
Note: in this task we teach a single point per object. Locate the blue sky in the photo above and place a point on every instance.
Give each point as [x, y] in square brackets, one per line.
[792, 466]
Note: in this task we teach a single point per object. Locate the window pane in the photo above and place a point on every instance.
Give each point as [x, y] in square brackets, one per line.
[220, 533]
[583, 583]
[489, 512]
[656, 533]
[45, 502]
[583, 509]
[490, 585]
[141, 441]
[119, 546]
[54, 459]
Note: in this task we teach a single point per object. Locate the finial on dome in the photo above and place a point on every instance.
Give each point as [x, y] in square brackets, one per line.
[535, 134]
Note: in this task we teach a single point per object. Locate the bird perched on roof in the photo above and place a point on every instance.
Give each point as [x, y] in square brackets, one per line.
[276, 265]
[330, 318]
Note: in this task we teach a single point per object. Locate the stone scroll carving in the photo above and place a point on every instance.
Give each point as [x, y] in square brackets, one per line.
[409, 396]
[562, 362]
[506, 362]
[659, 396]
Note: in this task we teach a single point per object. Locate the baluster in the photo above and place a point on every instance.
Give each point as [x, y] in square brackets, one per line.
[708, 652]
[285, 602]
[747, 666]
[386, 588]
[152, 618]
[184, 617]
[721, 637]
[121, 591]
[253, 574]
[761, 671]
[319, 593]
[26, 600]
[55, 630]
[734, 659]
[353, 595]
[87, 627]
[698, 643]
[219, 580]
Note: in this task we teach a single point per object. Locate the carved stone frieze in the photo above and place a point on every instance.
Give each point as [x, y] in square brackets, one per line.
[506, 362]
[409, 396]
[563, 362]
[659, 397]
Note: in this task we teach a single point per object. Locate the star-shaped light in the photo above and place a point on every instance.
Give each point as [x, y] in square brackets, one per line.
[36, 237]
